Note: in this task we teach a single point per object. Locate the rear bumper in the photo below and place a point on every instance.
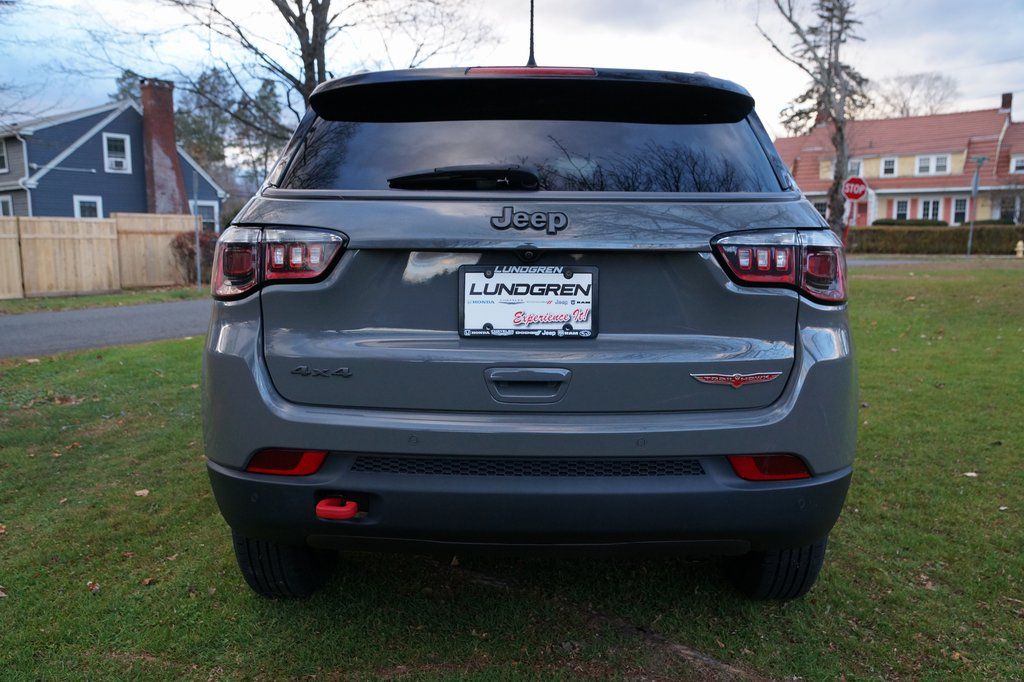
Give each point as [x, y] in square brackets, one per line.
[713, 513]
[814, 418]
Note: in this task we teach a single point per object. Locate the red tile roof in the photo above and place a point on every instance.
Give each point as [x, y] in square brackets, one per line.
[975, 132]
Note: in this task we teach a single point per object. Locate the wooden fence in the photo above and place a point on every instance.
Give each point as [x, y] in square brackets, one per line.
[54, 256]
[10, 260]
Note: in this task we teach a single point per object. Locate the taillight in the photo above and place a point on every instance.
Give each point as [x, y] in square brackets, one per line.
[811, 262]
[286, 462]
[248, 257]
[769, 467]
[299, 254]
[236, 263]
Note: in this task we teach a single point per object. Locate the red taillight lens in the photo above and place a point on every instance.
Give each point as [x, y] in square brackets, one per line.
[236, 263]
[769, 467]
[300, 254]
[760, 264]
[247, 258]
[530, 71]
[286, 462]
[811, 262]
[824, 273]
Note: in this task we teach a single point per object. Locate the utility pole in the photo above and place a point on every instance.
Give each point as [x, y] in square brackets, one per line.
[979, 161]
[195, 216]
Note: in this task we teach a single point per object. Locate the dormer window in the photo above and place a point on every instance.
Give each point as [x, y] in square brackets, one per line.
[853, 168]
[117, 153]
[933, 164]
[1017, 164]
[888, 168]
[4, 168]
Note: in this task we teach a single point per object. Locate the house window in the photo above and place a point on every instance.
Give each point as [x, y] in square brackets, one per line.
[959, 211]
[117, 153]
[853, 167]
[934, 164]
[88, 207]
[822, 208]
[1008, 210]
[1017, 164]
[6, 205]
[930, 209]
[889, 168]
[901, 209]
[208, 214]
[3, 157]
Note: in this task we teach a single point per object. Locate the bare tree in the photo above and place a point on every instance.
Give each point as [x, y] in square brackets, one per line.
[915, 94]
[433, 27]
[836, 88]
[11, 96]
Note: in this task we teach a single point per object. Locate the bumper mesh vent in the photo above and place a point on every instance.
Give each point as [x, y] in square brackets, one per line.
[511, 466]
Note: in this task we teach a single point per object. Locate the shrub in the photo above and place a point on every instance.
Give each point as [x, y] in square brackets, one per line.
[988, 239]
[184, 247]
[919, 222]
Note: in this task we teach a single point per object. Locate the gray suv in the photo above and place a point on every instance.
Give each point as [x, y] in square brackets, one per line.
[530, 308]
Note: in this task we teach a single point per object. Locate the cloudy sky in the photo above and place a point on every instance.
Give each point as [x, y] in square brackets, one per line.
[981, 44]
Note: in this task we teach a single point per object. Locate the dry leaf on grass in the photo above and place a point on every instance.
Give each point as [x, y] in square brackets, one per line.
[971, 474]
[33, 361]
[142, 493]
[93, 586]
[3, 529]
[148, 581]
[2, 593]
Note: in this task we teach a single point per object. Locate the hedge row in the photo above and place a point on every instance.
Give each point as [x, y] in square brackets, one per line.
[919, 222]
[988, 239]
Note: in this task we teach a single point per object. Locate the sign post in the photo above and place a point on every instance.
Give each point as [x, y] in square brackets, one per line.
[854, 190]
[979, 161]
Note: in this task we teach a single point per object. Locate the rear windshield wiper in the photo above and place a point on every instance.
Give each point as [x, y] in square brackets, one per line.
[480, 178]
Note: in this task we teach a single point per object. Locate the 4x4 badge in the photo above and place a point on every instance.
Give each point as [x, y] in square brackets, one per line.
[307, 371]
[736, 380]
[552, 221]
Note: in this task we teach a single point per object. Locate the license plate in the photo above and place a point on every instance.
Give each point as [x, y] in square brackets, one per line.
[528, 300]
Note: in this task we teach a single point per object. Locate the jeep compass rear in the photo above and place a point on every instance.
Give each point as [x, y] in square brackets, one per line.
[530, 308]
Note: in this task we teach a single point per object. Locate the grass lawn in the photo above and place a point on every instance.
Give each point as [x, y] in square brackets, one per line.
[54, 303]
[925, 572]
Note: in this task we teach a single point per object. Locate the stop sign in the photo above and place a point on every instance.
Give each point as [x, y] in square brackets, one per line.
[855, 188]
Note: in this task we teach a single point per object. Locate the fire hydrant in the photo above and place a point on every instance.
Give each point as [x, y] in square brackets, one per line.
[1020, 249]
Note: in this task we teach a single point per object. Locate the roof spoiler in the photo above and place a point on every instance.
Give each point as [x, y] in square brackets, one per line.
[488, 94]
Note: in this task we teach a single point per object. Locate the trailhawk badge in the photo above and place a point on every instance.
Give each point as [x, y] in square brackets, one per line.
[736, 380]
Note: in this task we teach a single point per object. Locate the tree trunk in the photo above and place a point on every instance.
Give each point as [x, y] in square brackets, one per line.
[836, 200]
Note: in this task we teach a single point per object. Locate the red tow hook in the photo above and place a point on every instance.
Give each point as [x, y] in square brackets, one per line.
[335, 508]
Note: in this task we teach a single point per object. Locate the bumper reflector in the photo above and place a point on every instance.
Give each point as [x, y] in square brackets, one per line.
[286, 462]
[769, 467]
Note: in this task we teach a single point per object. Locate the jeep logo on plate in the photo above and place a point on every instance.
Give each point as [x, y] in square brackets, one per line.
[551, 222]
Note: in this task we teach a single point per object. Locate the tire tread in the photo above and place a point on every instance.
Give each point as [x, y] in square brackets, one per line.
[280, 571]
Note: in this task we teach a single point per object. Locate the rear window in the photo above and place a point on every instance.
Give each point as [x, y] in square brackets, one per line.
[592, 156]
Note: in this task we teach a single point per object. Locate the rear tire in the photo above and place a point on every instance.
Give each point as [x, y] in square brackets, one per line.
[281, 571]
[780, 573]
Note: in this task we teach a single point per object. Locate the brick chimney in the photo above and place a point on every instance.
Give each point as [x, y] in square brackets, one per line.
[1007, 102]
[165, 187]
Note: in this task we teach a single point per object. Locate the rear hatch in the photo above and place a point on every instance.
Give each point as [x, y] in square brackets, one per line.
[551, 258]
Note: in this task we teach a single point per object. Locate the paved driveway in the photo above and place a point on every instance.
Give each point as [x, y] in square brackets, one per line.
[33, 334]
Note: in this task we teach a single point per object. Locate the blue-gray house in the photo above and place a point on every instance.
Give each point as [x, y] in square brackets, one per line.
[119, 157]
